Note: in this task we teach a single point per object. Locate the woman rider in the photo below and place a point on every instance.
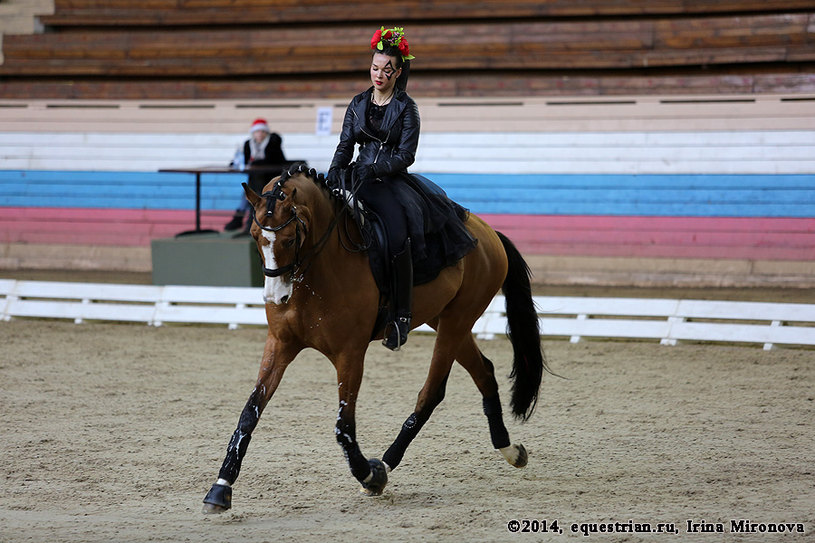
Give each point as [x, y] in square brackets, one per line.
[421, 224]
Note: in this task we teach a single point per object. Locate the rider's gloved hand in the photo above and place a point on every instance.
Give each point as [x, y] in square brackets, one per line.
[333, 178]
[364, 172]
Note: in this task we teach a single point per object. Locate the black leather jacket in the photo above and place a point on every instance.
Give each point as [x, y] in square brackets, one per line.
[390, 150]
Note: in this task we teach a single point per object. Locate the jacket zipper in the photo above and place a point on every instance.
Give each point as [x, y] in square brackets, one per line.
[381, 142]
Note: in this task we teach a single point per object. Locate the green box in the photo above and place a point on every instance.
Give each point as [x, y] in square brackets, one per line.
[216, 259]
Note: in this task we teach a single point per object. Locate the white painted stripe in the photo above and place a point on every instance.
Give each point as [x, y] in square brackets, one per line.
[462, 115]
[676, 152]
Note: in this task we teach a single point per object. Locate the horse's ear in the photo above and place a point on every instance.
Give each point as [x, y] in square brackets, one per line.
[253, 197]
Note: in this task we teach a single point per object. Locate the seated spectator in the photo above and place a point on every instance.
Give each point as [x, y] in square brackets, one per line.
[261, 149]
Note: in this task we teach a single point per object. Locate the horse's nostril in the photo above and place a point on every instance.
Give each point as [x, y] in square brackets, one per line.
[284, 299]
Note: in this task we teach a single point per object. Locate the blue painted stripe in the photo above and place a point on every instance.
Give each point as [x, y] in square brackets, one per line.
[70, 177]
[642, 195]
[127, 190]
[667, 209]
[447, 180]
[630, 181]
[118, 180]
[638, 195]
[473, 195]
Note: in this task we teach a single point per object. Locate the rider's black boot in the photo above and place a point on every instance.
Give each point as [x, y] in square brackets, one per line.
[396, 331]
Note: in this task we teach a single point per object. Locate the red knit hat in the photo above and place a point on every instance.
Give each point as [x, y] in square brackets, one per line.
[259, 124]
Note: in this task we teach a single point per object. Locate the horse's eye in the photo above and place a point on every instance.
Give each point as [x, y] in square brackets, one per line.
[288, 243]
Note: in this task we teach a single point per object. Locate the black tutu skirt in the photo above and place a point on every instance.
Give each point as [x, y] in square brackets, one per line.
[435, 222]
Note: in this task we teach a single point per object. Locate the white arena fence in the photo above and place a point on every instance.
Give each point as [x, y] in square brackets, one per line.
[666, 320]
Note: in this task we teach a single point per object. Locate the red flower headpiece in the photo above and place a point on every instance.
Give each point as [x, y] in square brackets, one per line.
[393, 37]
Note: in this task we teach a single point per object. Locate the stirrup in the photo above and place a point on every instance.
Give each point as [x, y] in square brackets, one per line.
[396, 332]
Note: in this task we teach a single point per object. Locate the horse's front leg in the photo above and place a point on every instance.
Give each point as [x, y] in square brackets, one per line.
[276, 358]
[371, 474]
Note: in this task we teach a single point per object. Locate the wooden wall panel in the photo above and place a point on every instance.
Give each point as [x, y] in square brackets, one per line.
[243, 48]
[232, 12]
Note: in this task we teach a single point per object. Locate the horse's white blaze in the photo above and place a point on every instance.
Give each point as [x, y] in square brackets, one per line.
[275, 289]
[511, 453]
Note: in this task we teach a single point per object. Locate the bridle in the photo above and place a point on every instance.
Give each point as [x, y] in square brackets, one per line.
[272, 197]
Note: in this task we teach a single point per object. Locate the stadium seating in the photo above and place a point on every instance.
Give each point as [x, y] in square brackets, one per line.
[673, 131]
[164, 49]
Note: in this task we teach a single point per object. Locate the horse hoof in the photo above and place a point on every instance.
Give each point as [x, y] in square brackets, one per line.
[516, 455]
[212, 509]
[217, 500]
[379, 479]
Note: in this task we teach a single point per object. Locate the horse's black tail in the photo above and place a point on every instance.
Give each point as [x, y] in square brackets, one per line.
[523, 330]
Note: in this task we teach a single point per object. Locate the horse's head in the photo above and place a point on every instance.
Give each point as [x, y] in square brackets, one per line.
[281, 223]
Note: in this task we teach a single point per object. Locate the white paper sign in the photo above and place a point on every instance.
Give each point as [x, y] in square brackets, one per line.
[324, 118]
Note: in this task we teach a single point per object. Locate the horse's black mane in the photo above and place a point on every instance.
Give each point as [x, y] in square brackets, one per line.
[335, 197]
[298, 168]
[318, 178]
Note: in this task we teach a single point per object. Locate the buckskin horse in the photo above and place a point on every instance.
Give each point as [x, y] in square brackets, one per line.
[318, 294]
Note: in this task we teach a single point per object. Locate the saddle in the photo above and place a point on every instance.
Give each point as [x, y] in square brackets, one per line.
[443, 244]
[374, 240]
[372, 230]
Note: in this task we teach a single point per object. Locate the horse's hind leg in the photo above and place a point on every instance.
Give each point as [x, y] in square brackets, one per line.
[430, 396]
[482, 371]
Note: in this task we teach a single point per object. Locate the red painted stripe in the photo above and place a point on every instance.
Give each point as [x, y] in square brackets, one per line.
[96, 215]
[670, 237]
[610, 222]
[664, 237]
[91, 226]
[668, 251]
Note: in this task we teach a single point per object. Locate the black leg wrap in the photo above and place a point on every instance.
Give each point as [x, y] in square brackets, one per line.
[410, 429]
[358, 464]
[346, 437]
[498, 432]
[234, 456]
[236, 449]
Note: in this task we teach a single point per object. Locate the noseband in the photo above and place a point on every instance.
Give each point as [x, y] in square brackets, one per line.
[272, 197]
